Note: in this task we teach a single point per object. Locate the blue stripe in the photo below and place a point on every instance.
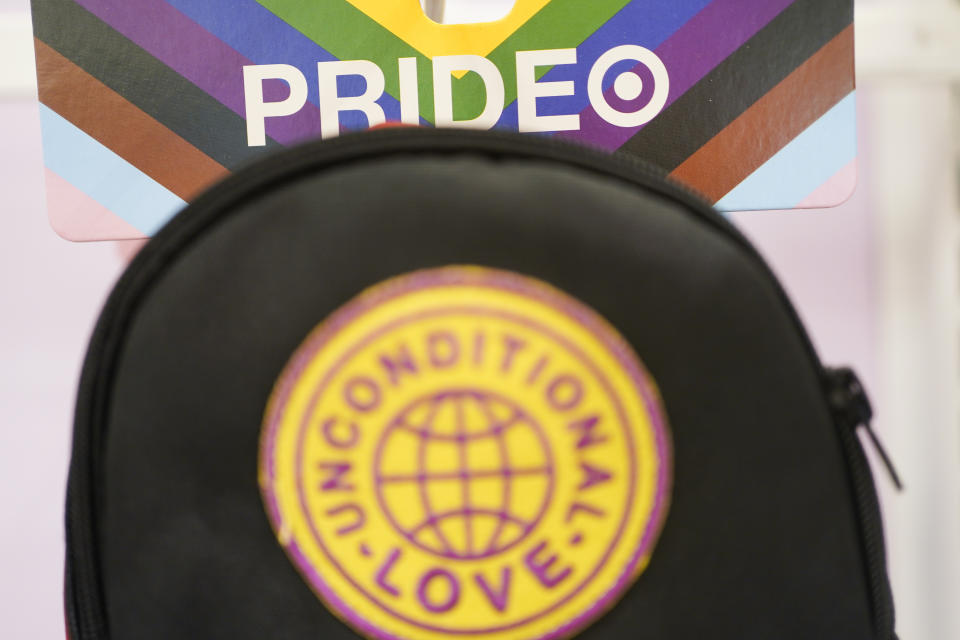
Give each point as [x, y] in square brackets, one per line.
[104, 176]
[263, 38]
[647, 23]
[797, 170]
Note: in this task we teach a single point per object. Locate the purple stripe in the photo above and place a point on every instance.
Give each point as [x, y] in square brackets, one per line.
[690, 54]
[264, 38]
[200, 57]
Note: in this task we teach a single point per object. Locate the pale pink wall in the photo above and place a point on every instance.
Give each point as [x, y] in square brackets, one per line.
[50, 293]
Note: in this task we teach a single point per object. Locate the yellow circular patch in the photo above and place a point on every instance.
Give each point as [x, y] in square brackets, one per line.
[464, 451]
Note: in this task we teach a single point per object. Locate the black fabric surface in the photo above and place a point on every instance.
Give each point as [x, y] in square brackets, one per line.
[760, 541]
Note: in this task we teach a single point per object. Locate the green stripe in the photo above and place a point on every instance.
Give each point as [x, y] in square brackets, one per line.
[349, 34]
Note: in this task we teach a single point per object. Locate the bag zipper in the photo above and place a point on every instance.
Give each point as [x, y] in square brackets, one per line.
[852, 411]
[851, 406]
[85, 613]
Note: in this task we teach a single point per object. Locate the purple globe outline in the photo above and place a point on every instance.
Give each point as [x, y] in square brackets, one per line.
[496, 429]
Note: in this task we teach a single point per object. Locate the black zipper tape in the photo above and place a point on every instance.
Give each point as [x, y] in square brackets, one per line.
[84, 593]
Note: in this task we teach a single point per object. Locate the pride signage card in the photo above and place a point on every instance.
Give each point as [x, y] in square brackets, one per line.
[144, 103]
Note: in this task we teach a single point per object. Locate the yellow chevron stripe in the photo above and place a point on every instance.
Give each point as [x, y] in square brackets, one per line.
[406, 20]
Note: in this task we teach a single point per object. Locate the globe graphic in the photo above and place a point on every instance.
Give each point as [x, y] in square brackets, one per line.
[464, 474]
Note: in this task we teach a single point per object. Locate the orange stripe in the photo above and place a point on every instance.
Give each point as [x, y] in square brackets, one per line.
[123, 128]
[772, 122]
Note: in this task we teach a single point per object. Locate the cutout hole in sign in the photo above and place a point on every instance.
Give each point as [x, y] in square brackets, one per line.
[467, 11]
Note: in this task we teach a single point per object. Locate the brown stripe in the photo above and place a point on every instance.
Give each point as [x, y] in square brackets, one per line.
[123, 128]
[772, 122]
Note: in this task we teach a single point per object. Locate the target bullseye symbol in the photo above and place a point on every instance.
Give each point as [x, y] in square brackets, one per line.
[628, 86]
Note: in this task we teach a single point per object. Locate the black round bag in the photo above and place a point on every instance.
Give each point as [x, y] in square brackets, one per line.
[421, 384]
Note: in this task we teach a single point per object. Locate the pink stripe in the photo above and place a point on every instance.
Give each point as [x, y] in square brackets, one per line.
[834, 191]
[76, 216]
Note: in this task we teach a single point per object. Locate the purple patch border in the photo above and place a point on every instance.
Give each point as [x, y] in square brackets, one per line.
[457, 276]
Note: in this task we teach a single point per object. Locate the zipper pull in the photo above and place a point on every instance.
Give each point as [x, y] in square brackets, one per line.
[849, 402]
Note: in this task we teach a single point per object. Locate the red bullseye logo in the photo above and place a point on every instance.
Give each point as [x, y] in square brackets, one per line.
[465, 451]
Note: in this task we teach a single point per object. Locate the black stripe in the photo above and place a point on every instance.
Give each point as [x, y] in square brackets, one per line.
[146, 82]
[739, 81]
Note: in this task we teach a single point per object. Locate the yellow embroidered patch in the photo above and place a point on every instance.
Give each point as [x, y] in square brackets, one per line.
[464, 451]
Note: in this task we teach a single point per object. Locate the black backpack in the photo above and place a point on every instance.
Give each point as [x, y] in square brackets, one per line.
[418, 383]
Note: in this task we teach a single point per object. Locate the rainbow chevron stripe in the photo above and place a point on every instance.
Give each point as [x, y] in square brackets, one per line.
[143, 100]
